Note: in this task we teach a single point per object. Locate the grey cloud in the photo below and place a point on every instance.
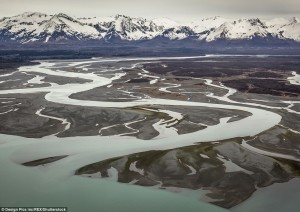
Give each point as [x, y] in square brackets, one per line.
[180, 10]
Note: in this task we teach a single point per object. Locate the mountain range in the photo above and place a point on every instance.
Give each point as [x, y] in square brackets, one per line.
[61, 28]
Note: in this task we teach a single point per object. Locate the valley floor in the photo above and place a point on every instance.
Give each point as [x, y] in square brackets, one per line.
[154, 133]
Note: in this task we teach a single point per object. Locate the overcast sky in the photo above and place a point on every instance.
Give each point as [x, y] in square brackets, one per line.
[184, 10]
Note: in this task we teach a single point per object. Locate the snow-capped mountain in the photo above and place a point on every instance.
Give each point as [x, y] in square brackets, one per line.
[30, 27]
[208, 24]
[124, 27]
[38, 27]
[240, 29]
[285, 28]
[61, 26]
